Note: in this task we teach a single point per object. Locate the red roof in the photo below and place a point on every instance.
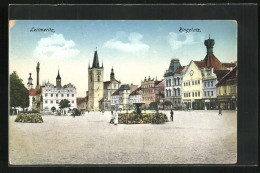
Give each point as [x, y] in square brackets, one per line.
[210, 61]
[136, 92]
[116, 92]
[102, 100]
[32, 92]
[179, 69]
[200, 64]
[229, 64]
[106, 84]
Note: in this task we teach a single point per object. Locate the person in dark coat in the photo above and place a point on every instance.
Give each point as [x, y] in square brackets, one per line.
[171, 114]
[220, 111]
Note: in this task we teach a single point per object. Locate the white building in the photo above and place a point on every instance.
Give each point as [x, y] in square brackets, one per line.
[135, 97]
[115, 100]
[52, 95]
[124, 92]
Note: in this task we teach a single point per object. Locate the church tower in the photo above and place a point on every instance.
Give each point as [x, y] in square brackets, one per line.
[95, 84]
[58, 80]
[112, 75]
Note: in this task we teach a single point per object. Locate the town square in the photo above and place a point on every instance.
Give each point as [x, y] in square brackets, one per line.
[127, 95]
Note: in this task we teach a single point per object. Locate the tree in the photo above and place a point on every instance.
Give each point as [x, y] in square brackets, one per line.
[19, 94]
[153, 105]
[167, 103]
[64, 104]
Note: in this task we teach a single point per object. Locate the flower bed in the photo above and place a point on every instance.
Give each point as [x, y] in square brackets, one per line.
[29, 118]
[133, 118]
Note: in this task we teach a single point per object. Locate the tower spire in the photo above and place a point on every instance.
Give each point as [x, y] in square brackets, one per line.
[95, 61]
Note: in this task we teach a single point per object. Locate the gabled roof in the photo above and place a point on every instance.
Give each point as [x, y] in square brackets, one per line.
[230, 76]
[200, 64]
[220, 73]
[80, 100]
[179, 69]
[229, 64]
[136, 92]
[210, 61]
[116, 92]
[32, 92]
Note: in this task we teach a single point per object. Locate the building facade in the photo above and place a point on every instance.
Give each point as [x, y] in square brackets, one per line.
[109, 88]
[115, 100]
[82, 103]
[135, 97]
[52, 95]
[227, 91]
[192, 86]
[95, 84]
[124, 92]
[209, 81]
[169, 80]
[148, 90]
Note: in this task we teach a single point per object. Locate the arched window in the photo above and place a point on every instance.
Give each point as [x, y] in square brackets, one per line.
[179, 92]
[170, 93]
[169, 82]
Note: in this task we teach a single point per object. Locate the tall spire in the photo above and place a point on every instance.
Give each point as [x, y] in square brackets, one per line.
[95, 61]
[58, 76]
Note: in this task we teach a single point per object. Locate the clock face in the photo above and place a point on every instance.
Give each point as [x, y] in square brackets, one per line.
[191, 72]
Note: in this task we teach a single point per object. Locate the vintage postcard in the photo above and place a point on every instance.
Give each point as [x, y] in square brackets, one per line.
[122, 92]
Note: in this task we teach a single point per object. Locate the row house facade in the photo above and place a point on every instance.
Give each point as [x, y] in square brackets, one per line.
[227, 91]
[148, 90]
[135, 97]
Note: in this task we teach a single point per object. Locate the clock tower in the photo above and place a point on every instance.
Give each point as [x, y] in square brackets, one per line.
[95, 83]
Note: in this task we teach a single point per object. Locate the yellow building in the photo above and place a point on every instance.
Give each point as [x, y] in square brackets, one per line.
[192, 85]
[227, 91]
[95, 84]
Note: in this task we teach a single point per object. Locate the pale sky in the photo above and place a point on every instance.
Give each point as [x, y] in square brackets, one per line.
[136, 49]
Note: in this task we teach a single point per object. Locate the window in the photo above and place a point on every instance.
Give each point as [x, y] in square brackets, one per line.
[195, 94]
[61, 95]
[208, 84]
[189, 83]
[72, 95]
[51, 101]
[212, 83]
[68, 95]
[184, 83]
[46, 95]
[179, 102]
[57, 95]
[192, 94]
[175, 102]
[205, 84]
[189, 94]
[57, 101]
[208, 93]
[225, 90]
[195, 82]
[51, 95]
[46, 101]
[170, 82]
[179, 92]
[192, 82]
[205, 93]
[219, 91]
[231, 89]
[72, 101]
[170, 93]
[198, 81]
[211, 93]
[174, 81]
[199, 94]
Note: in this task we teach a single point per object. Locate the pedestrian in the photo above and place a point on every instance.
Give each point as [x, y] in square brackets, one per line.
[172, 115]
[116, 118]
[220, 111]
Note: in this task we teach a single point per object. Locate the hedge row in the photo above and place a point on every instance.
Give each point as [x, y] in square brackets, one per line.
[29, 118]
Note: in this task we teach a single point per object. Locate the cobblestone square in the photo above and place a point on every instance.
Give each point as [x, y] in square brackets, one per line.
[194, 137]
